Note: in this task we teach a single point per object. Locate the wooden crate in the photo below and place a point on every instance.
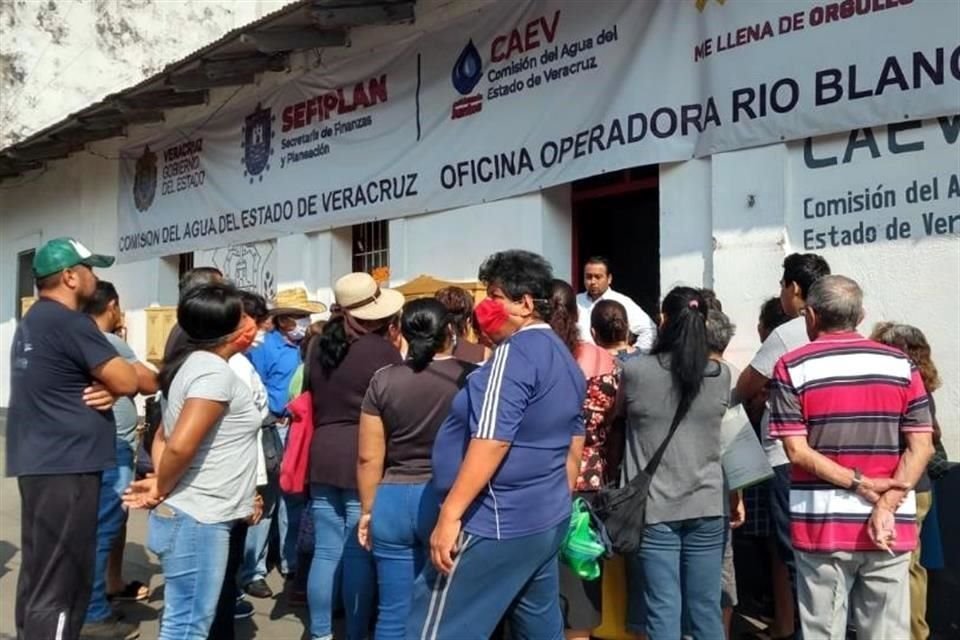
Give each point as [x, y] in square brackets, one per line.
[160, 321]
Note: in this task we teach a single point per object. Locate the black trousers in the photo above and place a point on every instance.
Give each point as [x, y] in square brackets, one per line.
[58, 543]
[222, 627]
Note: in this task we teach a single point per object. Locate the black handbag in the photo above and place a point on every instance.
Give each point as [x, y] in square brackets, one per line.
[623, 509]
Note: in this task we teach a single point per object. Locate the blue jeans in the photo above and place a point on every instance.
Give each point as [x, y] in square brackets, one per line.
[780, 519]
[340, 565]
[519, 577]
[681, 564]
[403, 519]
[111, 517]
[193, 556]
[257, 543]
[289, 512]
[255, 549]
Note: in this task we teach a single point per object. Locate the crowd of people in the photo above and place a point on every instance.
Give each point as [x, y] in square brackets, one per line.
[414, 464]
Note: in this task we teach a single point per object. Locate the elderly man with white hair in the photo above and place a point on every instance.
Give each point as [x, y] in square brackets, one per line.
[842, 404]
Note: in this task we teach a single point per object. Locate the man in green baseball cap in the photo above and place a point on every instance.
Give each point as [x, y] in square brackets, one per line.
[65, 253]
[61, 437]
[65, 264]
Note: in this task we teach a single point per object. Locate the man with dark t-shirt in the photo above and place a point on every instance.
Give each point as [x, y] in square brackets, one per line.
[65, 377]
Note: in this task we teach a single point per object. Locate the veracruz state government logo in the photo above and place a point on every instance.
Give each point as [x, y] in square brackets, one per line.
[257, 142]
[145, 180]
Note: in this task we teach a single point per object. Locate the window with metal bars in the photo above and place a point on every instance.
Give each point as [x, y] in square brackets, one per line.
[371, 248]
[184, 264]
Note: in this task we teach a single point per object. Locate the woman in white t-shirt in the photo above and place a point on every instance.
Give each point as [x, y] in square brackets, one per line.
[206, 459]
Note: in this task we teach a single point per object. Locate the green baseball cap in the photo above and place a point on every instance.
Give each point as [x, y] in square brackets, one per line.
[63, 253]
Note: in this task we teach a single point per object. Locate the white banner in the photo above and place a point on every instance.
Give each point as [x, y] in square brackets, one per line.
[529, 94]
[875, 185]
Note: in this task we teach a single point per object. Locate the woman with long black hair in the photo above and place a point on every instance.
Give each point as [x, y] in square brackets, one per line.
[404, 406]
[679, 562]
[205, 459]
[361, 337]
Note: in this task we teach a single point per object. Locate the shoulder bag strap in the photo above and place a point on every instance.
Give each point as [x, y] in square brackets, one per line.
[651, 467]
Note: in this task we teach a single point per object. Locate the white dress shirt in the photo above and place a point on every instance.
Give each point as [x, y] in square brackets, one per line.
[640, 323]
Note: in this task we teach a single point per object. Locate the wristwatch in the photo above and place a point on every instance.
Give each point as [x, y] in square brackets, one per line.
[857, 480]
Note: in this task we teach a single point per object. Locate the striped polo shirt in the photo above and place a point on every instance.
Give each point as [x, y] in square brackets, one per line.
[852, 399]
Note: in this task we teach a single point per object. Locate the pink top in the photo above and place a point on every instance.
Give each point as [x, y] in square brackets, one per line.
[594, 361]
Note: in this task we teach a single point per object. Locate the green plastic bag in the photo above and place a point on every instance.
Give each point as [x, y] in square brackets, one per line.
[583, 547]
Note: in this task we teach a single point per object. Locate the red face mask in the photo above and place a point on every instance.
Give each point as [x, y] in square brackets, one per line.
[491, 316]
[245, 334]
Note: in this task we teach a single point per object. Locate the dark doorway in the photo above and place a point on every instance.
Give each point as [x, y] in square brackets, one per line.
[24, 278]
[617, 215]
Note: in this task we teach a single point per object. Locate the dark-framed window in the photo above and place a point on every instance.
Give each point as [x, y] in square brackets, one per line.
[371, 247]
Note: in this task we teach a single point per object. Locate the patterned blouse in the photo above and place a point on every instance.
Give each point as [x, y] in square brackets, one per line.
[598, 408]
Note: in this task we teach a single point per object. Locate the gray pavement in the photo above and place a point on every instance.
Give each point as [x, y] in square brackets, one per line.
[272, 619]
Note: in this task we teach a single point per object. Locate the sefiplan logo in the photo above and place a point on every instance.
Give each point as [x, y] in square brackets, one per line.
[466, 74]
[257, 142]
[145, 180]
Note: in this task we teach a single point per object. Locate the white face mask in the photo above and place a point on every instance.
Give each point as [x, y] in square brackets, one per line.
[299, 332]
[258, 339]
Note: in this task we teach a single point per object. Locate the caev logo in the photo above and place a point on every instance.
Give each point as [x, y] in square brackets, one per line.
[145, 180]
[467, 72]
[257, 142]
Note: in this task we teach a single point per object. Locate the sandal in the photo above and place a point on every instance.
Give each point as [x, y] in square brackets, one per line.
[134, 591]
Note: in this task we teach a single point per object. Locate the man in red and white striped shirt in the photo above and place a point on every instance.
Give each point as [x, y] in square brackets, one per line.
[843, 406]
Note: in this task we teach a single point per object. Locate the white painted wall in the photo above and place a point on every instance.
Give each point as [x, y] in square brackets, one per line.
[751, 203]
[451, 244]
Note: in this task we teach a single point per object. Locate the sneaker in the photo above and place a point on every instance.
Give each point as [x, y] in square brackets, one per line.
[259, 589]
[242, 610]
[110, 629]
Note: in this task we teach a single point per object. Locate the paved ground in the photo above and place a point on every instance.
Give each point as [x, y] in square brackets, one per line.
[272, 619]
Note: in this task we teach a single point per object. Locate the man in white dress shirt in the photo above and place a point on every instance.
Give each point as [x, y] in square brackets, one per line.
[597, 279]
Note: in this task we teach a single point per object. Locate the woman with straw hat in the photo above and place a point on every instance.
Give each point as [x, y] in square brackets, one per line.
[361, 337]
[276, 360]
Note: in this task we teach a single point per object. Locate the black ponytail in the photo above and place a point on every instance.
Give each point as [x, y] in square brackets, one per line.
[683, 341]
[207, 314]
[425, 324]
[332, 344]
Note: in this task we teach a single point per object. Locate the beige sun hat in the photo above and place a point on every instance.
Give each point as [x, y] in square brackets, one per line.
[361, 296]
[294, 302]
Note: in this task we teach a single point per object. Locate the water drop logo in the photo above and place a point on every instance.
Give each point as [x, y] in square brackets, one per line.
[466, 74]
[467, 70]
